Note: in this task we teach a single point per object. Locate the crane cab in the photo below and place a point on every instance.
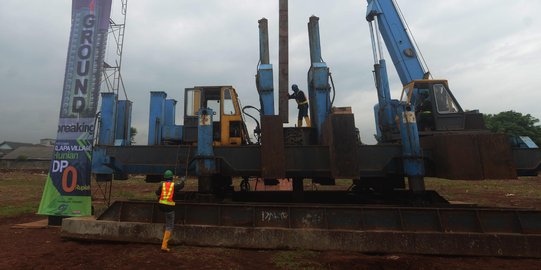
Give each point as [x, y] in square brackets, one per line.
[436, 109]
[228, 125]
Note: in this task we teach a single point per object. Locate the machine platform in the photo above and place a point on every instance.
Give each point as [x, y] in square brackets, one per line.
[450, 230]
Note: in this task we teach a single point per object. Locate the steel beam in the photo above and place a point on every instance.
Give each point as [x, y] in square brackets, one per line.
[305, 161]
[442, 231]
[283, 65]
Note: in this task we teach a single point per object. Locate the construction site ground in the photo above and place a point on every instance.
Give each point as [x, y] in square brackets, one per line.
[43, 248]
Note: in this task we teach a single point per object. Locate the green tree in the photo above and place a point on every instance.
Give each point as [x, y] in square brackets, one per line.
[133, 132]
[514, 124]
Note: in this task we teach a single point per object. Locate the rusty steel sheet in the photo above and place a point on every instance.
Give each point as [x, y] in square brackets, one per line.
[454, 156]
[339, 133]
[527, 161]
[450, 219]
[283, 61]
[496, 156]
[474, 156]
[272, 148]
[420, 230]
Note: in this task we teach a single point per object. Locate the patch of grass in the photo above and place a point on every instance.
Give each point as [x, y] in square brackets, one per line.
[487, 192]
[20, 192]
[18, 209]
[297, 259]
[124, 194]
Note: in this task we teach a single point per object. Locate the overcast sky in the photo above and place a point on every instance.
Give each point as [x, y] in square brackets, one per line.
[489, 50]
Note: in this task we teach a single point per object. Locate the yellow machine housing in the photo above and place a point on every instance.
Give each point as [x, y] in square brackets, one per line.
[228, 125]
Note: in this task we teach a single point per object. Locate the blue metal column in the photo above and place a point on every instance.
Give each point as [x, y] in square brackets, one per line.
[383, 111]
[205, 165]
[318, 79]
[123, 123]
[170, 110]
[106, 137]
[107, 119]
[411, 149]
[156, 117]
[264, 79]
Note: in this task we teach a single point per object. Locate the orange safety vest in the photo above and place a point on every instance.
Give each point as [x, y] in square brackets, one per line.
[167, 193]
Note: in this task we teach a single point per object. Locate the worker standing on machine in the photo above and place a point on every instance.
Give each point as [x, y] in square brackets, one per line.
[302, 105]
[166, 193]
[424, 112]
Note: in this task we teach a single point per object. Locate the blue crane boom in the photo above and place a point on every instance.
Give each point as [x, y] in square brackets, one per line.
[435, 116]
[397, 40]
[433, 103]
[394, 116]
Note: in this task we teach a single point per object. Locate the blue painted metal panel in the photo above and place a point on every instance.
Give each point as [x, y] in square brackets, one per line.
[383, 111]
[107, 119]
[319, 94]
[123, 123]
[157, 117]
[264, 81]
[206, 164]
[411, 147]
[170, 110]
[266, 88]
[172, 133]
[397, 40]
[100, 160]
[318, 79]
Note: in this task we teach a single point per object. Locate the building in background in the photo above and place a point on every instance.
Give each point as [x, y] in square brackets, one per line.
[16, 155]
[47, 142]
[6, 147]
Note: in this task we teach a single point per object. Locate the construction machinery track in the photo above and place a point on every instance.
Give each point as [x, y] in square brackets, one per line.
[444, 230]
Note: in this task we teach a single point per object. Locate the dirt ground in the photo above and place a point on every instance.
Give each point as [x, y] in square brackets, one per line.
[45, 249]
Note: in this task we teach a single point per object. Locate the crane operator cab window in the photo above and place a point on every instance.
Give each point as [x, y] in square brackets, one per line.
[444, 101]
[193, 102]
[406, 94]
[197, 98]
[229, 107]
[227, 123]
[424, 110]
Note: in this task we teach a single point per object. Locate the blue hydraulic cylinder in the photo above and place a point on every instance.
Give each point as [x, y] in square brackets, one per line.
[314, 40]
[206, 164]
[397, 40]
[266, 89]
[383, 111]
[123, 123]
[106, 134]
[107, 119]
[157, 117]
[170, 110]
[318, 79]
[382, 82]
[264, 77]
[411, 148]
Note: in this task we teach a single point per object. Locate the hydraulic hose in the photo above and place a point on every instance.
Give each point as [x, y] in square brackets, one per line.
[333, 89]
[258, 127]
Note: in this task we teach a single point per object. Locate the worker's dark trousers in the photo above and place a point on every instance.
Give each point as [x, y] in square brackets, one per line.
[169, 220]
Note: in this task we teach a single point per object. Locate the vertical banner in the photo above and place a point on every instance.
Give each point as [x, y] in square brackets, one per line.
[67, 187]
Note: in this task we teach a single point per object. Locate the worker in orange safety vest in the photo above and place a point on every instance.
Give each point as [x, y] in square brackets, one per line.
[166, 193]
